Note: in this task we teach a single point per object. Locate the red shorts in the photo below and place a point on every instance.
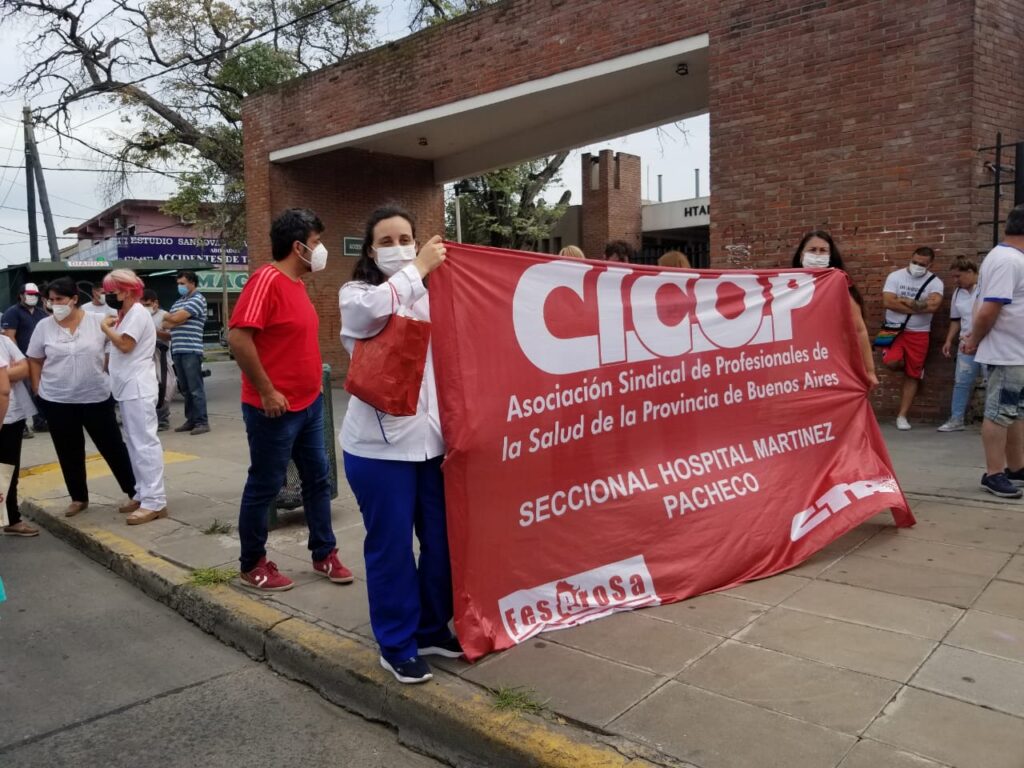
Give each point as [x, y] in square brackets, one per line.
[912, 348]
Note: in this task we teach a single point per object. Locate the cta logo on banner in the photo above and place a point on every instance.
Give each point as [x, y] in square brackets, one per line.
[621, 436]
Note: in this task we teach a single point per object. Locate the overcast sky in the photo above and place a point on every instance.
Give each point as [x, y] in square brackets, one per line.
[76, 196]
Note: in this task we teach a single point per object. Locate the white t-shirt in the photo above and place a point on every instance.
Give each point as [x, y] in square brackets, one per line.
[21, 405]
[906, 286]
[961, 308]
[73, 363]
[1002, 279]
[101, 309]
[132, 374]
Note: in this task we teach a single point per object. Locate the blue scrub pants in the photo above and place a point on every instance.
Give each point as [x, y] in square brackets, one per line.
[410, 604]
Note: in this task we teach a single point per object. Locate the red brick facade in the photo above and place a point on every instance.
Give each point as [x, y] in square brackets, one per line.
[860, 116]
[610, 201]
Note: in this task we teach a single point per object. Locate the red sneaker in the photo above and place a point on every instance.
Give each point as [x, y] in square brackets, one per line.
[266, 578]
[332, 568]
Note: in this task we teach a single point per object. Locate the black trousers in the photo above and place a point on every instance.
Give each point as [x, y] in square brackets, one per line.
[67, 422]
[10, 453]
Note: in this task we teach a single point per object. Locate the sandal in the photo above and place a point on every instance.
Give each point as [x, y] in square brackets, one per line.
[129, 506]
[143, 515]
[20, 529]
[75, 507]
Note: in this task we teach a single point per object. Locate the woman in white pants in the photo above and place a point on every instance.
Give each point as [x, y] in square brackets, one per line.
[134, 385]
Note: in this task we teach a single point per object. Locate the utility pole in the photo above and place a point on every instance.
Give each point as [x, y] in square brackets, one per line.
[44, 200]
[30, 187]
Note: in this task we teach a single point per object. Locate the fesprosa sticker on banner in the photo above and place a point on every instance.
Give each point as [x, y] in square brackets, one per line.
[713, 424]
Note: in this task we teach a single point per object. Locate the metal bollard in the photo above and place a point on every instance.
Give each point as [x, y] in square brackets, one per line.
[290, 495]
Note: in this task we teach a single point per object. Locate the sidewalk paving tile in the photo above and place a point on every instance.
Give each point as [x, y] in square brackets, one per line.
[936, 584]
[896, 613]
[951, 731]
[199, 551]
[293, 541]
[715, 732]
[900, 549]
[976, 677]
[836, 698]
[635, 639]
[965, 535]
[1003, 597]
[819, 562]
[299, 570]
[770, 591]
[1014, 570]
[853, 646]
[989, 633]
[872, 754]
[715, 613]
[1007, 515]
[341, 605]
[573, 683]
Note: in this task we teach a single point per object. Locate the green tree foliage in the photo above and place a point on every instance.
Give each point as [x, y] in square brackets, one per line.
[505, 209]
[177, 71]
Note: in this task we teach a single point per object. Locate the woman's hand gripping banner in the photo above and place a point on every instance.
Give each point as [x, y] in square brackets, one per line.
[622, 435]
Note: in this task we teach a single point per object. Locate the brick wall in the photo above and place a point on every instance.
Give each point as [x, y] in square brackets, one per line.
[859, 116]
[853, 117]
[610, 201]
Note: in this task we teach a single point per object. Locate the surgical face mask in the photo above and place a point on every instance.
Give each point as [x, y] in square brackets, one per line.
[917, 270]
[31, 300]
[62, 311]
[152, 310]
[392, 258]
[810, 260]
[318, 256]
[182, 290]
[101, 299]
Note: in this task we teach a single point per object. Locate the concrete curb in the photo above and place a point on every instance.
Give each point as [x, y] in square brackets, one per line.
[447, 718]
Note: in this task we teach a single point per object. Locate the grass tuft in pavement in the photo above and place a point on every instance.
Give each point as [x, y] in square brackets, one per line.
[207, 577]
[217, 527]
[517, 699]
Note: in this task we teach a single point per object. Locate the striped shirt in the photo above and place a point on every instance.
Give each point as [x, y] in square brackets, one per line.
[188, 337]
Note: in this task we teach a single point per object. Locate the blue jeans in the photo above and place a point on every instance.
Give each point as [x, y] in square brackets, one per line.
[966, 374]
[188, 367]
[299, 436]
[410, 603]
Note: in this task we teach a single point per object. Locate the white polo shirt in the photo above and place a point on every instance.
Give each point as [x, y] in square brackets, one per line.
[72, 362]
[366, 432]
[21, 405]
[133, 374]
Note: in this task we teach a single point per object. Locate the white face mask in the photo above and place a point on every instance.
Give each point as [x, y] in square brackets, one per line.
[31, 301]
[917, 270]
[318, 257]
[62, 311]
[810, 260]
[393, 258]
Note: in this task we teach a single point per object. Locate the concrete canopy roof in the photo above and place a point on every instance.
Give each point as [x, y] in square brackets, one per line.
[566, 110]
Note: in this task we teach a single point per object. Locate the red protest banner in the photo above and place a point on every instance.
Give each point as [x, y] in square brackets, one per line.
[622, 435]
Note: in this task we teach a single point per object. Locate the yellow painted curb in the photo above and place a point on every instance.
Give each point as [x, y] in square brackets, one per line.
[335, 664]
[451, 707]
[94, 461]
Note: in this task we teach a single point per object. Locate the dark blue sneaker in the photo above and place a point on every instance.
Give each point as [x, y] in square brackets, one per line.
[999, 485]
[450, 649]
[1015, 476]
[410, 671]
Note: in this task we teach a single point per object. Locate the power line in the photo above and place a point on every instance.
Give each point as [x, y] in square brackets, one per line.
[58, 215]
[97, 170]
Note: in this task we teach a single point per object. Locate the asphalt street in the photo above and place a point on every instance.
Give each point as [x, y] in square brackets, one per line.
[94, 673]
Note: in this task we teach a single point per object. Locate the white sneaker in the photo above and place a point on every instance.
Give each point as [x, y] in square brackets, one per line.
[953, 425]
[902, 423]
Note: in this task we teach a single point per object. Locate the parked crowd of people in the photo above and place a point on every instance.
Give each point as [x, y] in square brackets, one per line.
[73, 351]
[70, 364]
